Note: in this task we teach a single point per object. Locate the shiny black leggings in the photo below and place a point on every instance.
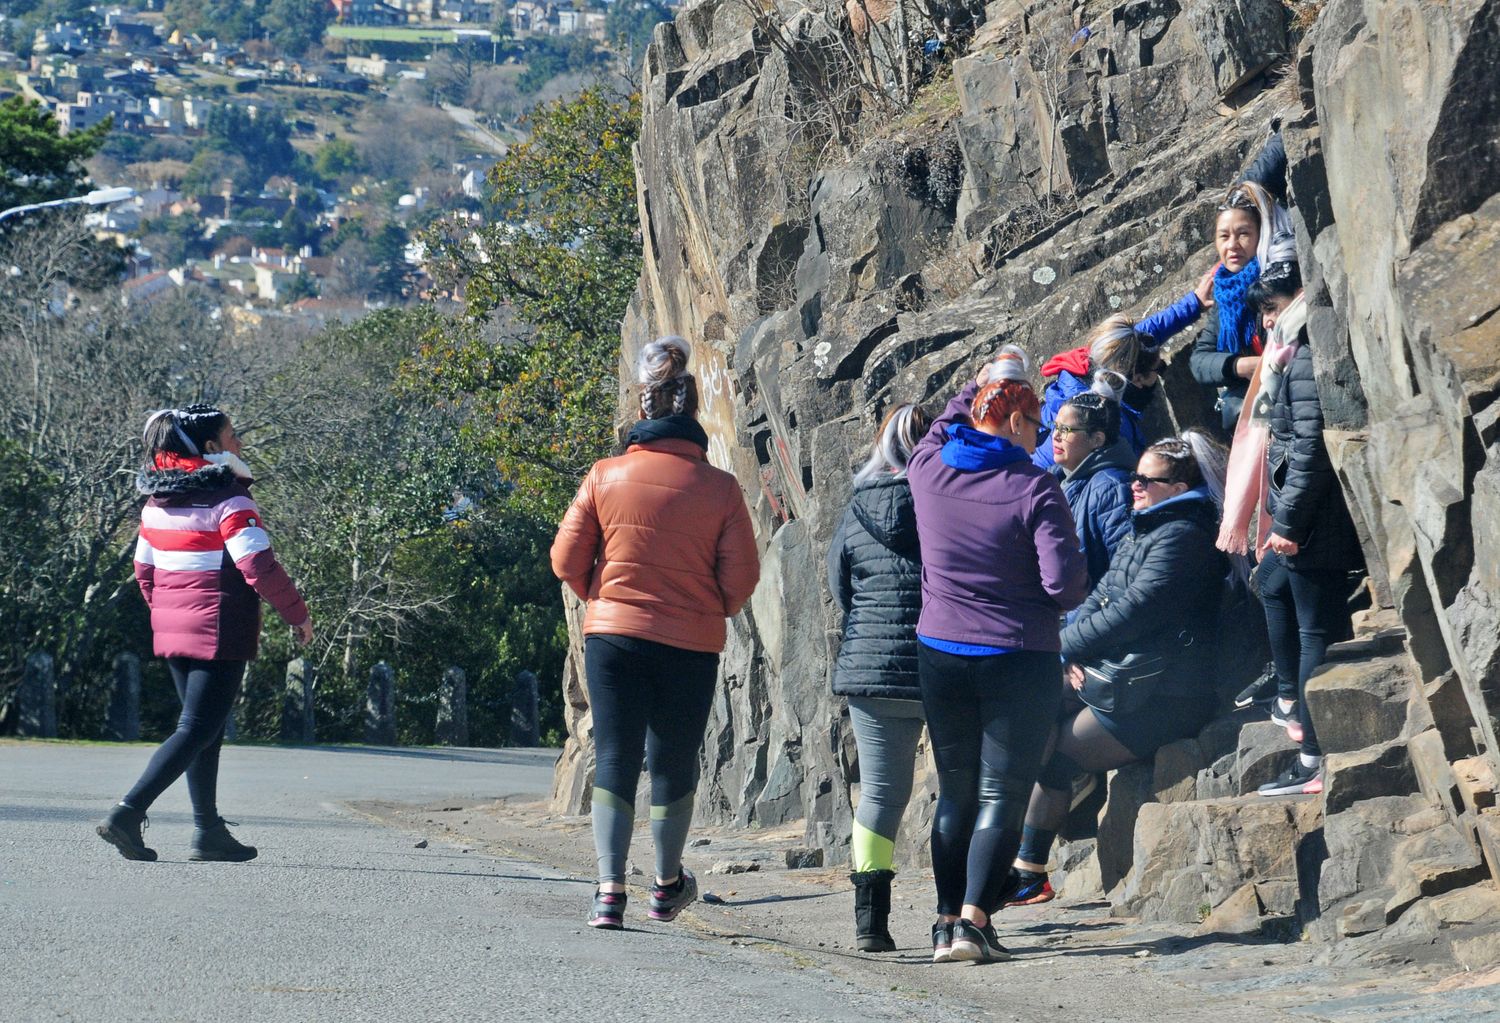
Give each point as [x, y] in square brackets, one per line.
[1305, 611]
[989, 719]
[207, 690]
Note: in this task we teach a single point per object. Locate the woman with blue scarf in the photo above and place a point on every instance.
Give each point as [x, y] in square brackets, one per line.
[1228, 348]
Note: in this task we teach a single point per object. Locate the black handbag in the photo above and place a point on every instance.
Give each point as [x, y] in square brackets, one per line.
[1126, 685]
[1122, 686]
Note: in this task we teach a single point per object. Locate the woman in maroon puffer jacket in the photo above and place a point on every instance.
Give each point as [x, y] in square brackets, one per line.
[204, 563]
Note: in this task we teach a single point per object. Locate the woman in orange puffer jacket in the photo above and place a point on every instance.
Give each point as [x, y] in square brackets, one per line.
[660, 544]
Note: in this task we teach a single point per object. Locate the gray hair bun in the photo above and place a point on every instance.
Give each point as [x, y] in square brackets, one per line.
[662, 361]
[1109, 384]
[663, 376]
[1010, 363]
[1283, 249]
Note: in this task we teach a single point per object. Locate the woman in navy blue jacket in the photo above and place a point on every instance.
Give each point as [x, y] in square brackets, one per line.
[1094, 463]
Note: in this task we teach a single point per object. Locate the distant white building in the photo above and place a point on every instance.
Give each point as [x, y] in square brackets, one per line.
[195, 111]
[92, 107]
[164, 112]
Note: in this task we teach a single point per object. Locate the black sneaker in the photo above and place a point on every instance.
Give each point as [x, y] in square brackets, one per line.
[668, 901]
[1261, 691]
[609, 910]
[122, 829]
[214, 844]
[1034, 890]
[1295, 781]
[1288, 718]
[942, 942]
[975, 944]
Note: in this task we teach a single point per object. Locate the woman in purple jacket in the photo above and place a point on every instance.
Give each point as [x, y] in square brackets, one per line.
[204, 563]
[1000, 565]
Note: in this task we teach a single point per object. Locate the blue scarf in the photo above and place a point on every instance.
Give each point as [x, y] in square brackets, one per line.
[971, 450]
[1236, 323]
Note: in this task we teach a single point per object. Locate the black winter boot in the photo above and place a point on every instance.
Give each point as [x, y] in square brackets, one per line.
[872, 910]
[122, 829]
[216, 843]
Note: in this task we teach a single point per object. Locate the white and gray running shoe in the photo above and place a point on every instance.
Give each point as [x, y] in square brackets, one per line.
[668, 901]
[975, 944]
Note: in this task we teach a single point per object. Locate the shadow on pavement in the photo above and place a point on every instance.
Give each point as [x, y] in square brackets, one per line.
[412, 870]
[510, 757]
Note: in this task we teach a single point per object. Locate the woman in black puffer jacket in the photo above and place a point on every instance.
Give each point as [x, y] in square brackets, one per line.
[875, 574]
[1160, 596]
[1303, 576]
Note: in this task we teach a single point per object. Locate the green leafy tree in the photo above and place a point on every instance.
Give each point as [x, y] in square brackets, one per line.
[229, 21]
[549, 56]
[388, 260]
[563, 262]
[629, 24]
[36, 162]
[297, 231]
[211, 169]
[296, 25]
[263, 141]
[357, 474]
[336, 159]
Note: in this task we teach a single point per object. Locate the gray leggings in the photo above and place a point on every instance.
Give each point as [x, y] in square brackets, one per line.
[886, 733]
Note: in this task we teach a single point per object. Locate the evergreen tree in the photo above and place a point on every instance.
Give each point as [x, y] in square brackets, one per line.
[36, 162]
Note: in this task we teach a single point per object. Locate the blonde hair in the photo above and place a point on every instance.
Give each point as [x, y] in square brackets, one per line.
[667, 388]
[1115, 345]
[899, 432]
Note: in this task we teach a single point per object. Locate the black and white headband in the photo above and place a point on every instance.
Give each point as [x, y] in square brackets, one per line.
[178, 417]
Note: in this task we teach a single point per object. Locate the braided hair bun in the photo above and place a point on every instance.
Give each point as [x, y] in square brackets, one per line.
[667, 388]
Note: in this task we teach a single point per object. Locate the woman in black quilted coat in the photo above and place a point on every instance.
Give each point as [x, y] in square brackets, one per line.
[1303, 576]
[1160, 596]
[875, 575]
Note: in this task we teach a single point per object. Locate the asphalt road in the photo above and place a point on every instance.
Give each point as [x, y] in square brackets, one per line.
[341, 918]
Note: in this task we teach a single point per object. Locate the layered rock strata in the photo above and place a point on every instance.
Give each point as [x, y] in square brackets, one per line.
[1021, 200]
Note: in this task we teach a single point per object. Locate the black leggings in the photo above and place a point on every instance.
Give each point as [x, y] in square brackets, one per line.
[1305, 611]
[652, 697]
[207, 690]
[989, 719]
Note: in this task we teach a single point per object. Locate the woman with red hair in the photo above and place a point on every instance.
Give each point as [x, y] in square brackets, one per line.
[1001, 564]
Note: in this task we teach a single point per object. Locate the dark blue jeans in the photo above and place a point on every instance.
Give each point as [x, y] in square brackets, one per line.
[1305, 611]
[208, 690]
[989, 719]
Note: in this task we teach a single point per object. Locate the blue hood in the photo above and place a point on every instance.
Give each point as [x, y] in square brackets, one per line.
[970, 450]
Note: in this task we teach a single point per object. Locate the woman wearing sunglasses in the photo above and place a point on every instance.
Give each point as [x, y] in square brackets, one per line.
[1139, 652]
[1000, 564]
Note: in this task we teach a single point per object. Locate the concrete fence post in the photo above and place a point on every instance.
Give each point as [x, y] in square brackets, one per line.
[37, 697]
[124, 718]
[453, 709]
[523, 710]
[380, 706]
[297, 702]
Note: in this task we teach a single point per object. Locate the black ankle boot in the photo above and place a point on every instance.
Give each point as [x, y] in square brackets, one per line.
[122, 829]
[872, 910]
[216, 843]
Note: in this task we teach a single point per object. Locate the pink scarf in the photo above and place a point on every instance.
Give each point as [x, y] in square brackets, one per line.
[1247, 480]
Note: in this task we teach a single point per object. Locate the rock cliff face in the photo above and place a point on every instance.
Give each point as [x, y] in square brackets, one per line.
[1021, 200]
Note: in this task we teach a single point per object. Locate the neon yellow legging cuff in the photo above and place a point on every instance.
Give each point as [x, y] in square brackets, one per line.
[869, 851]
